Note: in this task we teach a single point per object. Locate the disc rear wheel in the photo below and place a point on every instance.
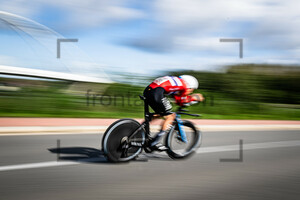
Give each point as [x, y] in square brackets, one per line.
[116, 142]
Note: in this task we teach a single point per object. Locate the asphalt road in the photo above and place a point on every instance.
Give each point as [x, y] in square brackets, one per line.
[270, 169]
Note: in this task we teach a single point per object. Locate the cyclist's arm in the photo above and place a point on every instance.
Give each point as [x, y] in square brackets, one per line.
[185, 99]
[197, 97]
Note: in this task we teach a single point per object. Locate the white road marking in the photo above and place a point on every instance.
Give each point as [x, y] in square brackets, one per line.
[266, 145]
[36, 165]
[47, 164]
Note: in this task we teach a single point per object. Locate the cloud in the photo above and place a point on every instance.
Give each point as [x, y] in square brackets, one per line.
[210, 15]
[94, 13]
[270, 28]
[76, 13]
[194, 25]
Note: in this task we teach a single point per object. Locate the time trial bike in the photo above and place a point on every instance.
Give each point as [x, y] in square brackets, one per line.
[125, 139]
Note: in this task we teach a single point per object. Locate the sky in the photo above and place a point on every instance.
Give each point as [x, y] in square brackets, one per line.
[147, 37]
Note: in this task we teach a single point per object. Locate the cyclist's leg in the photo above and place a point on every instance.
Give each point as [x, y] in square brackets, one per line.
[168, 120]
[165, 108]
[161, 105]
[166, 124]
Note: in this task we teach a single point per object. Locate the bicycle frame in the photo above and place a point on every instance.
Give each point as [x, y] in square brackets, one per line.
[146, 125]
[133, 141]
[180, 129]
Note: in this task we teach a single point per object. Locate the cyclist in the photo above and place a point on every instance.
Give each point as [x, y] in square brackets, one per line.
[180, 88]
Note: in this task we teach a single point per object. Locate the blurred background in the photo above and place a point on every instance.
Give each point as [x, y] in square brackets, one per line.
[123, 45]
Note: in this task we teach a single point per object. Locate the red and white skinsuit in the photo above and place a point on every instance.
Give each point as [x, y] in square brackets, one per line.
[174, 86]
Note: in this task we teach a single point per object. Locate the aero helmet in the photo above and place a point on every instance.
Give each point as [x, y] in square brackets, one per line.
[191, 82]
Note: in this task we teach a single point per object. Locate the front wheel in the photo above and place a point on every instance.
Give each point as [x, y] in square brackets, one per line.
[116, 138]
[178, 149]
